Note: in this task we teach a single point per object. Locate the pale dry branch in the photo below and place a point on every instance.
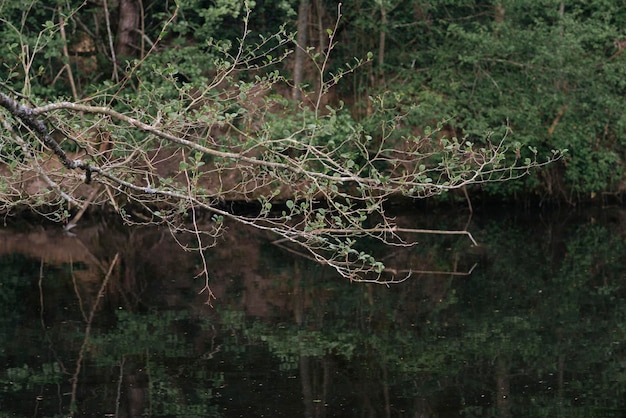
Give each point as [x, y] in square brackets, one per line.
[332, 201]
[307, 178]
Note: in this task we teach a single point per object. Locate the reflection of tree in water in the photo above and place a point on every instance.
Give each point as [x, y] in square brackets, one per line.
[537, 330]
[126, 355]
[542, 320]
[541, 317]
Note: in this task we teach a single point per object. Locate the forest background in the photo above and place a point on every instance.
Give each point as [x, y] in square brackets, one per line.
[550, 72]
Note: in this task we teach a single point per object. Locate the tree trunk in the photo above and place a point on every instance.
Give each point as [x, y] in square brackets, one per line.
[301, 40]
[382, 37]
[127, 29]
[498, 13]
[322, 37]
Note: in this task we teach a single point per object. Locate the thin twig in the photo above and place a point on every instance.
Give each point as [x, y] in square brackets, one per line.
[120, 379]
[66, 54]
[41, 299]
[77, 292]
[83, 209]
[196, 230]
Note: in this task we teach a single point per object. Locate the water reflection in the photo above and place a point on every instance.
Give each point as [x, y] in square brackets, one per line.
[110, 323]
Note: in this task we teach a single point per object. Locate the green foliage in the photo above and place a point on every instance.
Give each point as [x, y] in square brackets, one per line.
[154, 340]
[30, 54]
[18, 379]
[336, 134]
[291, 344]
[554, 77]
[139, 335]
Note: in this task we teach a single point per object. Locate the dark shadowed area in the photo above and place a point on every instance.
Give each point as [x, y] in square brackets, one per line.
[109, 321]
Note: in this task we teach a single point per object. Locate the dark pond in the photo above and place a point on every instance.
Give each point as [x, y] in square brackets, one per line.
[110, 322]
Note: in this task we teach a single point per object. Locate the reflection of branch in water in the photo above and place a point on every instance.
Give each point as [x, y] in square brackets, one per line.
[40, 285]
[409, 272]
[80, 299]
[83, 347]
[119, 387]
[393, 271]
[392, 230]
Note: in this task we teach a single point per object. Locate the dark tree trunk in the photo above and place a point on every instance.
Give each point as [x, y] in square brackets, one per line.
[127, 29]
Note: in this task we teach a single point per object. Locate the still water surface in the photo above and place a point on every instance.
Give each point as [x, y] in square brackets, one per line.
[110, 322]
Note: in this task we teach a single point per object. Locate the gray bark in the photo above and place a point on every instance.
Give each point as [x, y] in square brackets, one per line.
[301, 40]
